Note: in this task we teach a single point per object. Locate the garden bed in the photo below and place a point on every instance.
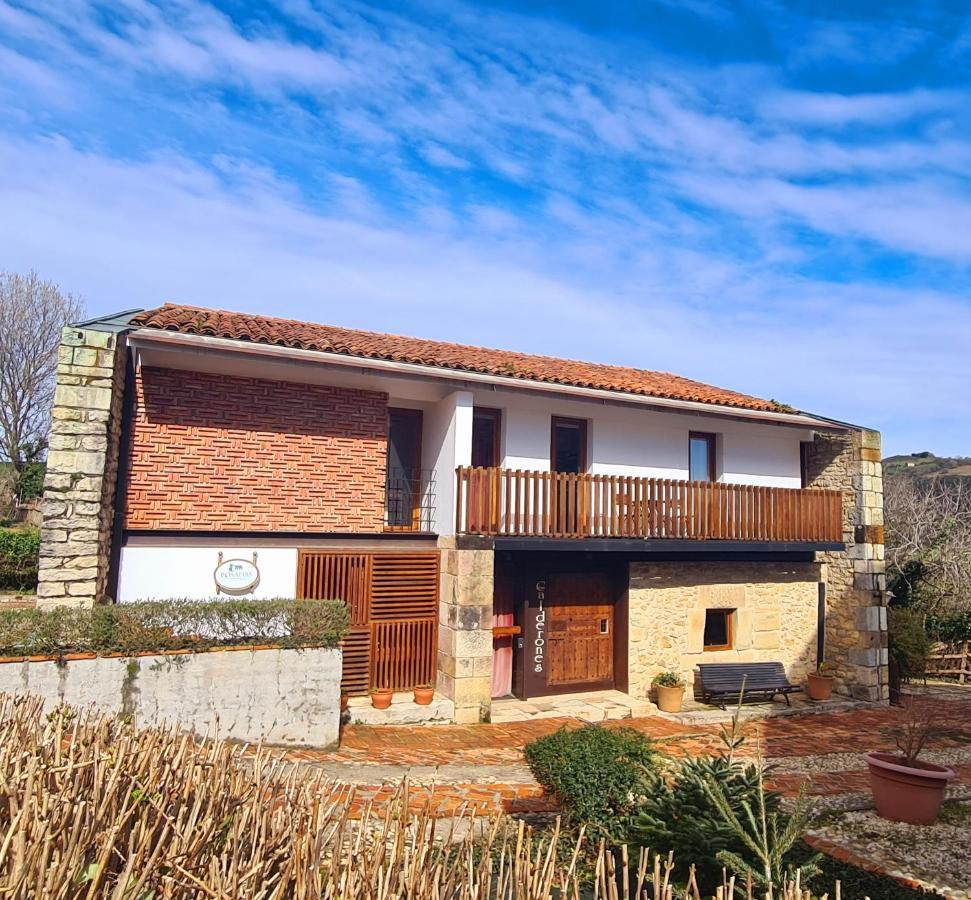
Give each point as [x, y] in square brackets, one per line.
[932, 857]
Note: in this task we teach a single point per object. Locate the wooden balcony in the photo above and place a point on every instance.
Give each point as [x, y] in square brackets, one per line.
[506, 502]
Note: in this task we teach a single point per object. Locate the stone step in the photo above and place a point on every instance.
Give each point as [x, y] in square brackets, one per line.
[403, 711]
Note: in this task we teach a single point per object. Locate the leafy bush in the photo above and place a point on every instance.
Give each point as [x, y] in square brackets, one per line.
[19, 550]
[950, 629]
[667, 679]
[909, 644]
[596, 773]
[172, 625]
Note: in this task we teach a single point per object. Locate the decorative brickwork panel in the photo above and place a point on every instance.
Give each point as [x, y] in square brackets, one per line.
[218, 453]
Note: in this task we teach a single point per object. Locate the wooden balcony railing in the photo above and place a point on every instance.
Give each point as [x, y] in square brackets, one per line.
[492, 501]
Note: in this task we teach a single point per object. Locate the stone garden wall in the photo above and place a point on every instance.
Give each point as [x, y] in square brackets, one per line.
[280, 696]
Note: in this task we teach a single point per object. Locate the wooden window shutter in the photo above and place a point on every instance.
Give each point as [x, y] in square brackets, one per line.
[393, 600]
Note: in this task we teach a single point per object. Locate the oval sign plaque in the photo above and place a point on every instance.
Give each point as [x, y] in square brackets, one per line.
[236, 576]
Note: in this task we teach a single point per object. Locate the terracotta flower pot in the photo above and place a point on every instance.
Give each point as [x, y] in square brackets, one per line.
[669, 698]
[819, 687]
[381, 699]
[424, 695]
[906, 794]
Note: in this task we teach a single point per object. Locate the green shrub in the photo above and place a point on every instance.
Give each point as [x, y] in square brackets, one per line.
[716, 813]
[679, 814]
[172, 625]
[909, 643]
[950, 629]
[596, 773]
[667, 679]
[19, 551]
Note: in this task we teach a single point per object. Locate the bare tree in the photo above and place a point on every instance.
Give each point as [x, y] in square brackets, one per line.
[32, 314]
[928, 539]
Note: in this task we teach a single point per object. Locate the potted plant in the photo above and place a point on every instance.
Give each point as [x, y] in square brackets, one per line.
[424, 693]
[819, 684]
[380, 697]
[905, 787]
[670, 691]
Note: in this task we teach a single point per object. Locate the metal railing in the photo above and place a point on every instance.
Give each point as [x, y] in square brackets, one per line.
[409, 499]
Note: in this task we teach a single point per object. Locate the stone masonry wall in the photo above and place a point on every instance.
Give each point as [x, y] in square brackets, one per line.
[775, 616]
[465, 630]
[856, 597]
[82, 466]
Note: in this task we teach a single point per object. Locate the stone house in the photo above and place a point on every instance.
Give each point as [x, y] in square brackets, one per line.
[499, 523]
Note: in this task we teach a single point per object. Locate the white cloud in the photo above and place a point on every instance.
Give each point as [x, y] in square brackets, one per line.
[829, 109]
[465, 173]
[139, 233]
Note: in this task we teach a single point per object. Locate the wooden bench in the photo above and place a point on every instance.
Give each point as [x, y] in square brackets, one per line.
[722, 680]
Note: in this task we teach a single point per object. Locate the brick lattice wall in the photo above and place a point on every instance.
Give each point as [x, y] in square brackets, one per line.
[212, 452]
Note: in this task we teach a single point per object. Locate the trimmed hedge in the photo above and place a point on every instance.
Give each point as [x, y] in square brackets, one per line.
[172, 625]
[19, 551]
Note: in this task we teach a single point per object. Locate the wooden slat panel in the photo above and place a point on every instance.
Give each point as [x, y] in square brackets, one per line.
[399, 653]
[355, 679]
[325, 575]
[404, 585]
[394, 612]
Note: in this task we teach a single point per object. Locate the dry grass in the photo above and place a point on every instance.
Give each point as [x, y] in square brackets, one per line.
[92, 807]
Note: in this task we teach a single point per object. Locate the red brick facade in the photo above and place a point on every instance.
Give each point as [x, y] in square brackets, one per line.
[219, 453]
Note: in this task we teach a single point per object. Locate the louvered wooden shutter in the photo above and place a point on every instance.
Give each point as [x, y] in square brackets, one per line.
[393, 597]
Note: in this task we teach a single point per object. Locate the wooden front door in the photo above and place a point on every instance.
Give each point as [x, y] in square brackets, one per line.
[580, 631]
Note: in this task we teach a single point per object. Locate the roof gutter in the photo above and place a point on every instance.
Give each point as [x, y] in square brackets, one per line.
[160, 338]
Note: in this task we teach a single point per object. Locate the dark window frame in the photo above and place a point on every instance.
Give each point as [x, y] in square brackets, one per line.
[804, 449]
[712, 440]
[729, 613]
[489, 412]
[584, 435]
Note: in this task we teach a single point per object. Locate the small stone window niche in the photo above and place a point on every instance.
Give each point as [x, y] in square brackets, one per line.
[719, 629]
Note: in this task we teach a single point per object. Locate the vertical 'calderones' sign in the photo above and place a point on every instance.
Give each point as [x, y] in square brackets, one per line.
[539, 640]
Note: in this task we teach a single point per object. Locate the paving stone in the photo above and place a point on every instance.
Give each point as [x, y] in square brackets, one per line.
[482, 766]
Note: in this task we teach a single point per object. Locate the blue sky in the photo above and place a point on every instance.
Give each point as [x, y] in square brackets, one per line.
[769, 196]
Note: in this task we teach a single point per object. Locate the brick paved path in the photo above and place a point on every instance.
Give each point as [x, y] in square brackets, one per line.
[456, 766]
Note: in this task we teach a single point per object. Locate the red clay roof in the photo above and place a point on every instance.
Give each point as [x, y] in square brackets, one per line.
[505, 363]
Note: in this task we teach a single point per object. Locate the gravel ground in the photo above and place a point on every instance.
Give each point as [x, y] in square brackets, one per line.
[848, 762]
[938, 855]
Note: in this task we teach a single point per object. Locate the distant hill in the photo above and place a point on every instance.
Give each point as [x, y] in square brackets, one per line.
[926, 465]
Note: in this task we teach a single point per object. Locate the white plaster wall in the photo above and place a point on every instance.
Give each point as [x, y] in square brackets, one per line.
[447, 444]
[287, 697]
[165, 573]
[629, 441]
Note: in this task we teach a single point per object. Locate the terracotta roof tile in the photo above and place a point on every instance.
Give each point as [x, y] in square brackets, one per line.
[505, 363]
